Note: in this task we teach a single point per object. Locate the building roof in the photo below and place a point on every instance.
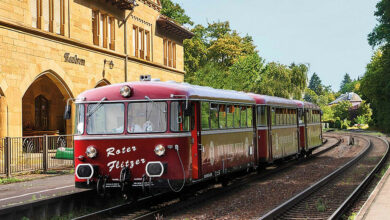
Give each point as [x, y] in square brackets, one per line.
[168, 25]
[348, 96]
[123, 4]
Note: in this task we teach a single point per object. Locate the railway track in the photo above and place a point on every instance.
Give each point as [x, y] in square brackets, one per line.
[332, 196]
[163, 204]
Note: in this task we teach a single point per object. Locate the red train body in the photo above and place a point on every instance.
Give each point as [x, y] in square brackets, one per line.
[160, 134]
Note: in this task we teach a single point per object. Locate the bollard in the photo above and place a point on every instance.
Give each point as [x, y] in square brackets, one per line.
[7, 154]
[45, 153]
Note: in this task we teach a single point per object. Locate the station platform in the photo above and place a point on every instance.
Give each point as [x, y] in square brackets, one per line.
[21, 193]
[378, 204]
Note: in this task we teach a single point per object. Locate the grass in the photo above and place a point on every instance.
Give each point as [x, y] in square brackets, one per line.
[320, 205]
[10, 180]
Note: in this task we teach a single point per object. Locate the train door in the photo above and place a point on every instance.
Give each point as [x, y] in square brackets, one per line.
[269, 118]
[306, 112]
[255, 135]
[195, 140]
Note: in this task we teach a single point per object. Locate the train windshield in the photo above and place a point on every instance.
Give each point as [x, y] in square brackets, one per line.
[147, 117]
[79, 128]
[105, 118]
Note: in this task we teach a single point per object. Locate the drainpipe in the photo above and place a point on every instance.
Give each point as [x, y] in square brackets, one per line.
[125, 50]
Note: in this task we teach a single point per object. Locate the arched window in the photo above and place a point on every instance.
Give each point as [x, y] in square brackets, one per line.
[41, 113]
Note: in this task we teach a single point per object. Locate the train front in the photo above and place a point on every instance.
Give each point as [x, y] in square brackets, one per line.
[132, 136]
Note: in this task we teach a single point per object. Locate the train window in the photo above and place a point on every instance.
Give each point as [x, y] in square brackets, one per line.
[222, 116]
[243, 116]
[261, 116]
[229, 113]
[105, 118]
[179, 121]
[301, 116]
[79, 128]
[249, 116]
[236, 117]
[205, 111]
[147, 117]
[214, 116]
[273, 116]
[294, 116]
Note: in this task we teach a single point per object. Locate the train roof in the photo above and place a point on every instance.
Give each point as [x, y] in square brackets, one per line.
[304, 104]
[272, 100]
[164, 90]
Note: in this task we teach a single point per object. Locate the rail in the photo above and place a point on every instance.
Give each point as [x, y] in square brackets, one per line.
[34, 153]
[145, 203]
[283, 208]
[355, 194]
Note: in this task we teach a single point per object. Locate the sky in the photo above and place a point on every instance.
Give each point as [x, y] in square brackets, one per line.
[330, 36]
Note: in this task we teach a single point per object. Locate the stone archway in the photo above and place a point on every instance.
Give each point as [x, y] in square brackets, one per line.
[43, 106]
[102, 83]
[3, 114]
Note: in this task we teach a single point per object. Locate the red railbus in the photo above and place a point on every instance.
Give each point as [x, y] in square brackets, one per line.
[168, 135]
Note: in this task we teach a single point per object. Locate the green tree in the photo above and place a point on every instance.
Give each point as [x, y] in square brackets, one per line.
[211, 75]
[353, 86]
[298, 79]
[311, 96]
[274, 80]
[381, 33]
[328, 113]
[347, 79]
[315, 84]
[245, 73]
[228, 48]
[341, 109]
[175, 11]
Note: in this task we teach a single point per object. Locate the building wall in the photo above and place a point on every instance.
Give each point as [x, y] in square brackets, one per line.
[27, 53]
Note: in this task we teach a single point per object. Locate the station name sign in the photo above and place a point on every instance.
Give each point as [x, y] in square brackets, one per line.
[74, 59]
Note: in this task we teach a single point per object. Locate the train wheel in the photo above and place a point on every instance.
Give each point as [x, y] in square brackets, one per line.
[225, 182]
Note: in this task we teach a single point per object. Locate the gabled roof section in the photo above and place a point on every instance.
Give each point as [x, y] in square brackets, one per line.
[349, 96]
[168, 25]
[155, 4]
[123, 4]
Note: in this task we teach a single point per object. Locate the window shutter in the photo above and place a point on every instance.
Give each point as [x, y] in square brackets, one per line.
[39, 14]
[51, 16]
[46, 14]
[147, 35]
[57, 17]
[95, 27]
[62, 17]
[170, 53]
[112, 33]
[134, 41]
[34, 13]
[103, 31]
[135, 36]
[140, 43]
[174, 54]
[165, 51]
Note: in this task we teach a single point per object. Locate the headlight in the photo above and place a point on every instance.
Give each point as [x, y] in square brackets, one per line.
[91, 152]
[125, 91]
[159, 150]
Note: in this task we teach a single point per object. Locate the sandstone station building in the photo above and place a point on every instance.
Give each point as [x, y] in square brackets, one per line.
[52, 50]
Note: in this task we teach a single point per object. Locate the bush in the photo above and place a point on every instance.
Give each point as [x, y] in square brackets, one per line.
[361, 119]
[344, 126]
[337, 123]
